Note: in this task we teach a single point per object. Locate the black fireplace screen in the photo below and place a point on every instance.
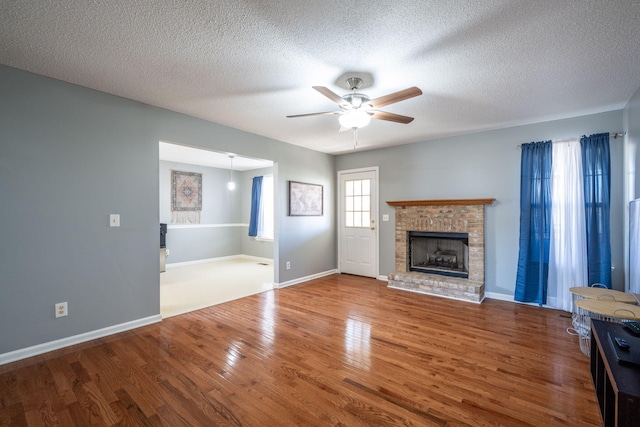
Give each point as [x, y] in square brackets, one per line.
[439, 253]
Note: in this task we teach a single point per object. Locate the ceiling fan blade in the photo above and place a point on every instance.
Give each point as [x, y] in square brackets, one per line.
[312, 114]
[381, 115]
[395, 97]
[332, 96]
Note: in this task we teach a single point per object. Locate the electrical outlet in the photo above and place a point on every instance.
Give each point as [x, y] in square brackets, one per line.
[61, 309]
[288, 265]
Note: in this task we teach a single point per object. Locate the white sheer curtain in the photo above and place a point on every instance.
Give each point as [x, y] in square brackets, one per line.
[568, 240]
[265, 212]
[634, 246]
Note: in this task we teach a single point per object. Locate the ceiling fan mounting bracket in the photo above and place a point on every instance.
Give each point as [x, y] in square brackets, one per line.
[354, 83]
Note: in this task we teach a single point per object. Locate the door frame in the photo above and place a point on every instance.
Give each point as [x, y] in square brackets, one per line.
[376, 173]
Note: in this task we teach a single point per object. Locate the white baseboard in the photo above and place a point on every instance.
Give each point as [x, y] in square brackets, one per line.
[35, 350]
[200, 261]
[304, 279]
[256, 258]
[383, 278]
[222, 258]
[501, 297]
[509, 298]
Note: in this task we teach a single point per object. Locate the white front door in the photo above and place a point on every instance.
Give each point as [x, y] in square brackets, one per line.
[358, 222]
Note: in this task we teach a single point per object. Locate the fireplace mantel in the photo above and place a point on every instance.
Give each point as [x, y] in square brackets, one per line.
[467, 202]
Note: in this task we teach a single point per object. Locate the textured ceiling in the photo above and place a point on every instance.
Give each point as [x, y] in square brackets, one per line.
[247, 64]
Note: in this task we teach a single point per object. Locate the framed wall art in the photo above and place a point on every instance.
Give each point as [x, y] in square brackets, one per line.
[186, 197]
[305, 199]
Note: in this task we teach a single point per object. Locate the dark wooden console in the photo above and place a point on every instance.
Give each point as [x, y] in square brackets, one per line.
[617, 385]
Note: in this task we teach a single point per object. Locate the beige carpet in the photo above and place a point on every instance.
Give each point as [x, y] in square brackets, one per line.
[192, 287]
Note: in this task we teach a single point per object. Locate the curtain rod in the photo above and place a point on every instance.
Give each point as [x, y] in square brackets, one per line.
[251, 178]
[615, 135]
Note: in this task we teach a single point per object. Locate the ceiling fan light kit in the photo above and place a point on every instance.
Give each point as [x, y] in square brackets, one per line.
[357, 109]
[354, 119]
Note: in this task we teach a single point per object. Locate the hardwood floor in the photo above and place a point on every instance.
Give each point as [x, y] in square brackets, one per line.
[339, 351]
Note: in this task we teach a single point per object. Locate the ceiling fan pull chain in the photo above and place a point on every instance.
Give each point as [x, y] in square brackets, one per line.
[355, 138]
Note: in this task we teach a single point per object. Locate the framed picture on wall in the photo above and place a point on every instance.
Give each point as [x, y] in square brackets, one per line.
[305, 199]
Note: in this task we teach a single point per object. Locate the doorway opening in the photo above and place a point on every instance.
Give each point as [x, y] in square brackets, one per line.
[212, 259]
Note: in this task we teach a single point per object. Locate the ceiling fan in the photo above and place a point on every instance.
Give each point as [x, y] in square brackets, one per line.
[357, 109]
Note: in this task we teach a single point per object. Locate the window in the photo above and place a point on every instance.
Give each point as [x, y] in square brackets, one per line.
[265, 211]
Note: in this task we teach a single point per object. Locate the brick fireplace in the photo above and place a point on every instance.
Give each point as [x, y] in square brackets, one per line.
[441, 218]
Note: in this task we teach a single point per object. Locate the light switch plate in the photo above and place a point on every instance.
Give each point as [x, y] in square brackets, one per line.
[114, 220]
[385, 217]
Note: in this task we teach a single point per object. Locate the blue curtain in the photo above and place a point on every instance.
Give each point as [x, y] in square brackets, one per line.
[256, 191]
[535, 221]
[597, 189]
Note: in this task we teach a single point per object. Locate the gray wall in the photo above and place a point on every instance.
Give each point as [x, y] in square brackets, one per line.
[219, 206]
[483, 165]
[70, 156]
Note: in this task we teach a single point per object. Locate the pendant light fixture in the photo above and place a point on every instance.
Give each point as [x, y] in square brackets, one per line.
[231, 185]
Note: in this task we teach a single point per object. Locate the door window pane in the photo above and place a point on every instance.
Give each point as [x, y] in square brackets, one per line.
[349, 204]
[349, 219]
[357, 219]
[357, 203]
[357, 187]
[366, 187]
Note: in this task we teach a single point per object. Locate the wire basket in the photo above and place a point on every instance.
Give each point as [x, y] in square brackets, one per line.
[581, 318]
[583, 324]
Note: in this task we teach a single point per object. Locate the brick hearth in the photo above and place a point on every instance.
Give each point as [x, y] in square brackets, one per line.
[459, 216]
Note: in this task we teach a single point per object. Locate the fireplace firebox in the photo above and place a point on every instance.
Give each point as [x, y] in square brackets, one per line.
[441, 253]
